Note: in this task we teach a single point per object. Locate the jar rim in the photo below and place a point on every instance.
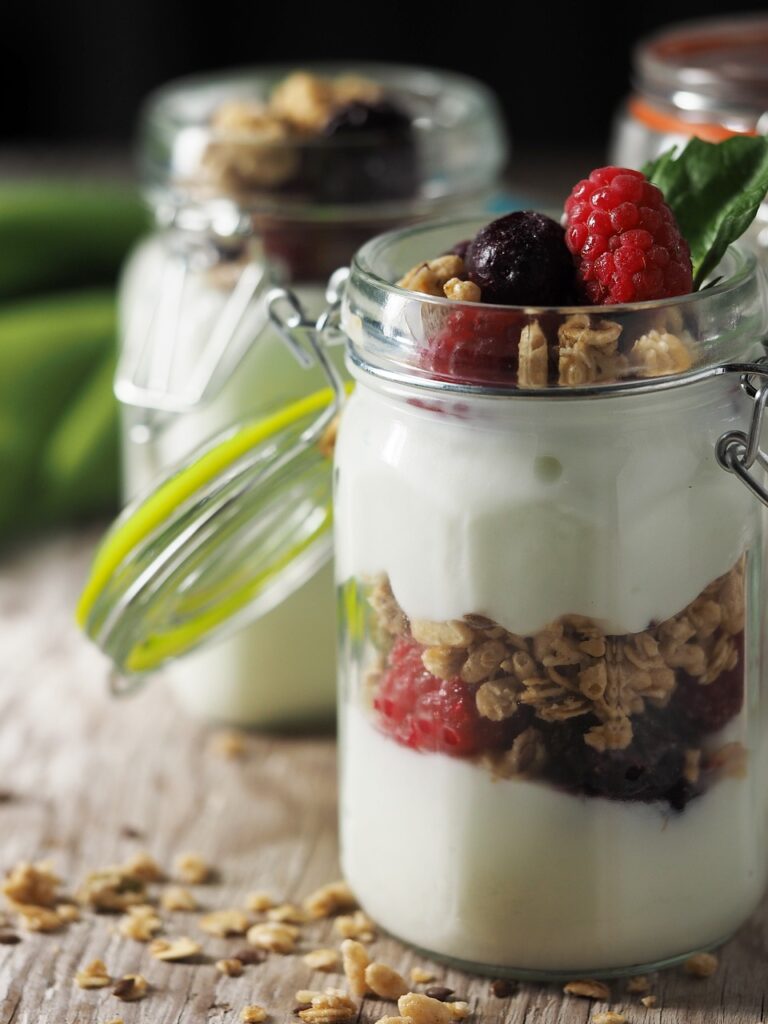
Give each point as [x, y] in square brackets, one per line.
[393, 333]
[707, 66]
[363, 267]
[456, 119]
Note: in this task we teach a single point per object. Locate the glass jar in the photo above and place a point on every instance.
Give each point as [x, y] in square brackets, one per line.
[553, 705]
[706, 78]
[551, 579]
[239, 210]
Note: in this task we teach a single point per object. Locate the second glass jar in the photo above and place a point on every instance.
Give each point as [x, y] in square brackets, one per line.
[240, 206]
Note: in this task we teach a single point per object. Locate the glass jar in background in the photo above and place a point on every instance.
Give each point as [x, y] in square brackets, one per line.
[705, 78]
[553, 705]
[264, 178]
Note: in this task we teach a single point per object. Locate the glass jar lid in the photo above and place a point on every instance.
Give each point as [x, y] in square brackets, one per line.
[333, 141]
[441, 344]
[710, 68]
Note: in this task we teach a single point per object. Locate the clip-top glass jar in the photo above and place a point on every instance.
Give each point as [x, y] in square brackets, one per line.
[706, 78]
[259, 178]
[553, 704]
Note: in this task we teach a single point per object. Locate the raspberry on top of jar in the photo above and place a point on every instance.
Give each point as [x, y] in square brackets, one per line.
[619, 244]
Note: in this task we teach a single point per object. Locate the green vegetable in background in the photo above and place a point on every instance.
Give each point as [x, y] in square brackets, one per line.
[79, 470]
[61, 235]
[714, 191]
[51, 350]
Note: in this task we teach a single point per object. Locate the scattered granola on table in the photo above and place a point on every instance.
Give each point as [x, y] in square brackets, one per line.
[178, 898]
[330, 899]
[273, 936]
[140, 923]
[193, 869]
[587, 988]
[329, 1007]
[258, 902]
[355, 926]
[130, 988]
[322, 959]
[224, 923]
[253, 1014]
[231, 966]
[384, 981]
[94, 975]
[32, 884]
[701, 965]
[174, 949]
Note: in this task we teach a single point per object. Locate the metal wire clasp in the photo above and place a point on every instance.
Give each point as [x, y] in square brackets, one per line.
[737, 451]
[306, 339]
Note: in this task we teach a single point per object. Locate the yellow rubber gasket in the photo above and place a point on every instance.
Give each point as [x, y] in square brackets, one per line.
[127, 532]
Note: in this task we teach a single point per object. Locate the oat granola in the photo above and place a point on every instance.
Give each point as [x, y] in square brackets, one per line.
[94, 975]
[384, 981]
[335, 896]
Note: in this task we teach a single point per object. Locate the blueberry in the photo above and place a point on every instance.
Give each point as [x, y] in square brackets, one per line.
[650, 768]
[522, 260]
[365, 153]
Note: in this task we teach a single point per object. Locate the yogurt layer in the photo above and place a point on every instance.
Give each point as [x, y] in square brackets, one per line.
[611, 508]
[520, 875]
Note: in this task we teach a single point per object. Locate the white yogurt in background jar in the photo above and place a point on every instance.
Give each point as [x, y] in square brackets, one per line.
[257, 178]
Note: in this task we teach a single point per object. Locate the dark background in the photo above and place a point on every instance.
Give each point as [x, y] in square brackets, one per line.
[76, 72]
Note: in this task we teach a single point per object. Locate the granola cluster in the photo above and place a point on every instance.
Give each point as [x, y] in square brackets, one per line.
[683, 674]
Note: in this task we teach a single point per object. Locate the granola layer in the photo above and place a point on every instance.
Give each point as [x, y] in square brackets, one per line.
[628, 717]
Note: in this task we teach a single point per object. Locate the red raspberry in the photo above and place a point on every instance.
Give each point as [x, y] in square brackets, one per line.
[624, 238]
[475, 347]
[426, 713]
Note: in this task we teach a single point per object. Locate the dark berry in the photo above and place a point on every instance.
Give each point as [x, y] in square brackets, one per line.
[475, 347]
[522, 260]
[650, 768]
[460, 249]
[708, 707]
[426, 713]
[366, 153]
[627, 245]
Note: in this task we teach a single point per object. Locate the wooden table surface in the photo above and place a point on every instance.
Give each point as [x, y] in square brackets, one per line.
[87, 781]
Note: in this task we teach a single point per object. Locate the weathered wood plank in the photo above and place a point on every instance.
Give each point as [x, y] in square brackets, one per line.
[84, 768]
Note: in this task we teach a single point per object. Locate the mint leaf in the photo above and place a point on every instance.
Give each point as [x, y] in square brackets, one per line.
[714, 190]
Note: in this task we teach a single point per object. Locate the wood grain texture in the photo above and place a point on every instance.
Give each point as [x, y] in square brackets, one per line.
[82, 768]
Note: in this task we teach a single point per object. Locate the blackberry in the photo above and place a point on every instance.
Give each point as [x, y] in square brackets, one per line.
[707, 708]
[522, 260]
[651, 768]
[365, 153]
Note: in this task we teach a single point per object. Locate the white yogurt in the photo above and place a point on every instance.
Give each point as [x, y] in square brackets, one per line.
[542, 509]
[261, 676]
[517, 874]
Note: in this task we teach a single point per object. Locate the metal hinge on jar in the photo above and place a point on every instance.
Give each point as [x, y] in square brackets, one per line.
[737, 450]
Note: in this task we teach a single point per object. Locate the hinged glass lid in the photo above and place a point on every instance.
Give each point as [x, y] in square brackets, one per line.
[230, 534]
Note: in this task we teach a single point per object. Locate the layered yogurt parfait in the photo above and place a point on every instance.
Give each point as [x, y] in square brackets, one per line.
[553, 724]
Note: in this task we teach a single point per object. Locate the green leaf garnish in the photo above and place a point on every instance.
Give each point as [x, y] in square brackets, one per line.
[714, 190]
